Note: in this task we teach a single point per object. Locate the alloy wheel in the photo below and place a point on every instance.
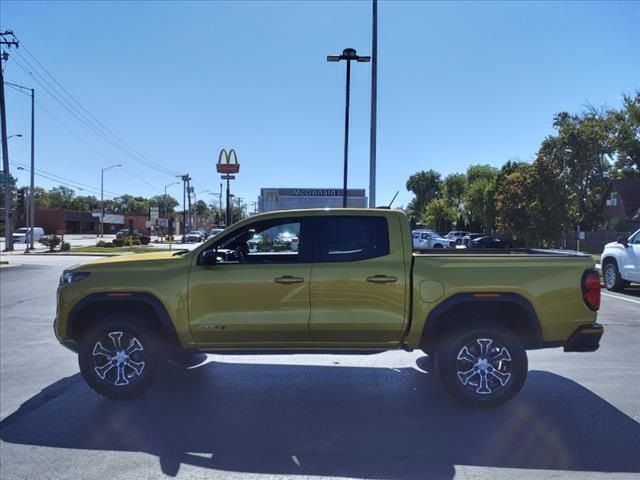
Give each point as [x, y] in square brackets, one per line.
[484, 366]
[118, 358]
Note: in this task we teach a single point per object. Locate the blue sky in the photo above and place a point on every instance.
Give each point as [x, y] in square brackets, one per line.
[459, 84]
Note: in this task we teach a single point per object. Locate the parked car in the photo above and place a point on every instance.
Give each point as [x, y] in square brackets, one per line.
[620, 262]
[471, 236]
[215, 231]
[354, 285]
[255, 243]
[125, 232]
[194, 236]
[457, 236]
[430, 239]
[21, 235]
[489, 242]
[287, 239]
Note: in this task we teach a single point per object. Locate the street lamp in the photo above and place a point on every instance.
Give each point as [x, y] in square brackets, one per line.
[348, 54]
[165, 203]
[165, 196]
[102, 170]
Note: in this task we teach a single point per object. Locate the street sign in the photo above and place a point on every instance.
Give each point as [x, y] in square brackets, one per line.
[7, 180]
[228, 177]
[154, 213]
[227, 167]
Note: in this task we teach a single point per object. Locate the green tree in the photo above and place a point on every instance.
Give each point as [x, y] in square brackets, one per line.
[84, 203]
[479, 201]
[454, 188]
[60, 197]
[529, 204]
[439, 214]
[42, 198]
[201, 208]
[159, 201]
[426, 186]
[626, 137]
[579, 152]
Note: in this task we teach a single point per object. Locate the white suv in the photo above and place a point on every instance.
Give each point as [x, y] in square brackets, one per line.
[621, 262]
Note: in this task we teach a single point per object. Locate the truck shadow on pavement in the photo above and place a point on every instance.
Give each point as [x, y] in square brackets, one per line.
[332, 421]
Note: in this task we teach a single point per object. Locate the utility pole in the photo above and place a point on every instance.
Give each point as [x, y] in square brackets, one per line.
[374, 106]
[185, 179]
[221, 202]
[8, 226]
[32, 191]
[189, 192]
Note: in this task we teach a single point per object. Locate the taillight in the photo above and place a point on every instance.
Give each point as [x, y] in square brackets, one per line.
[591, 289]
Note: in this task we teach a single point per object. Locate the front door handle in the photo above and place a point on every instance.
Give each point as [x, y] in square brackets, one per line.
[382, 279]
[288, 279]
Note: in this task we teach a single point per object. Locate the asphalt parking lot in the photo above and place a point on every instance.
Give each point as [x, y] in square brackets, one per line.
[381, 416]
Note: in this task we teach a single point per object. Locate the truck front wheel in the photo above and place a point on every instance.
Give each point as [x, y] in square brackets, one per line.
[120, 355]
[483, 367]
[612, 278]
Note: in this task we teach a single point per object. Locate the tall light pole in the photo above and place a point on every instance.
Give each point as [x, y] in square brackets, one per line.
[348, 54]
[165, 197]
[102, 170]
[374, 105]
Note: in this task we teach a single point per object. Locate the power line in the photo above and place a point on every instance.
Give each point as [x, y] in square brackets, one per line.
[127, 171]
[88, 119]
[69, 182]
[90, 114]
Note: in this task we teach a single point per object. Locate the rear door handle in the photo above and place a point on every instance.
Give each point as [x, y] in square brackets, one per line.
[288, 279]
[382, 279]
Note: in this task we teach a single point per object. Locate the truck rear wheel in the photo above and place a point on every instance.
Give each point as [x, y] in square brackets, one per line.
[483, 367]
[120, 355]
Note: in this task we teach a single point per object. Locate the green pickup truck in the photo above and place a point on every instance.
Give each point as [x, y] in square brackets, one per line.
[330, 281]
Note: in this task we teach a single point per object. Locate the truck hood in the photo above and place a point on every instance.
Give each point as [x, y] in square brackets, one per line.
[133, 259]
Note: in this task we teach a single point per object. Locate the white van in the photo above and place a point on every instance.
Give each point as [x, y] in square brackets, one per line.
[21, 235]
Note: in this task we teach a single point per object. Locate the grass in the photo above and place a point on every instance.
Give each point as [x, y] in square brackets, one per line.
[91, 249]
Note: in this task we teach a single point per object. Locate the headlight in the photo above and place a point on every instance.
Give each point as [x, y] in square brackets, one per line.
[71, 277]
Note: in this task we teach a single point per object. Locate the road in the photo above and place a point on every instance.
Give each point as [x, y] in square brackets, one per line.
[380, 416]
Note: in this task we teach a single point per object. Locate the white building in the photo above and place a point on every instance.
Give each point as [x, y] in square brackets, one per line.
[271, 199]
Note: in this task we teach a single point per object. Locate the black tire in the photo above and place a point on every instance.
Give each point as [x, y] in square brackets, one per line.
[612, 279]
[493, 359]
[438, 245]
[131, 345]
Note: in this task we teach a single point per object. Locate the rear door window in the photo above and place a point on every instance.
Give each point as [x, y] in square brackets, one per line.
[351, 238]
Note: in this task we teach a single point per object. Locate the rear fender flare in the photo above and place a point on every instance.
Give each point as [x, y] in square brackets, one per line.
[437, 317]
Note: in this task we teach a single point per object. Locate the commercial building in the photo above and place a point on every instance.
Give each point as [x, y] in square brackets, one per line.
[271, 199]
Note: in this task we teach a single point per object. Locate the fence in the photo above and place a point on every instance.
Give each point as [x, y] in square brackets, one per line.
[593, 242]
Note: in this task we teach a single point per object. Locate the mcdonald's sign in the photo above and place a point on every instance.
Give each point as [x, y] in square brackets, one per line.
[224, 164]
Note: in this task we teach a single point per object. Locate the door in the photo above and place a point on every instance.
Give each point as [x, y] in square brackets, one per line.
[257, 293]
[358, 282]
[632, 262]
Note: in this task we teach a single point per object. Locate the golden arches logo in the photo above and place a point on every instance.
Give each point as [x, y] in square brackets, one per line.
[227, 167]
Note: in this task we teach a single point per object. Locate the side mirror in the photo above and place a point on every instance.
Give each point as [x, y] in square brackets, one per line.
[209, 257]
[623, 241]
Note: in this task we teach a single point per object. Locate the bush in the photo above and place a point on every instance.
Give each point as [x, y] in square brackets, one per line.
[101, 243]
[118, 242]
[51, 241]
[108, 245]
[65, 247]
[145, 239]
[170, 238]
